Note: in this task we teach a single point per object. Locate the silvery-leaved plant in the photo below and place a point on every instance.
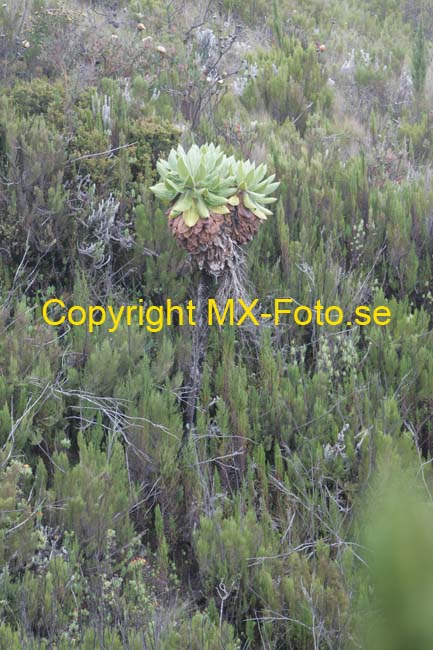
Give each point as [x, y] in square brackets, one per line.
[204, 181]
[253, 187]
[197, 182]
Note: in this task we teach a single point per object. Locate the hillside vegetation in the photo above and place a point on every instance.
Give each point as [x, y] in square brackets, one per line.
[298, 514]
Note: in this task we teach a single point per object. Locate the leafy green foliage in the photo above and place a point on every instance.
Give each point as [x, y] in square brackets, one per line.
[204, 180]
[419, 60]
[278, 525]
[199, 180]
[253, 187]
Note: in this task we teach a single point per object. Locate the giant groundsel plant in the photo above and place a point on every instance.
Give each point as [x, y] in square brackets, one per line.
[215, 201]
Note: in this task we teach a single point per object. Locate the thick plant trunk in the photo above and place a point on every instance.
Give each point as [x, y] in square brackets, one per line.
[198, 353]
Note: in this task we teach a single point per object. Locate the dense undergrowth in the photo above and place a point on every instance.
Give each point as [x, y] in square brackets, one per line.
[278, 526]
